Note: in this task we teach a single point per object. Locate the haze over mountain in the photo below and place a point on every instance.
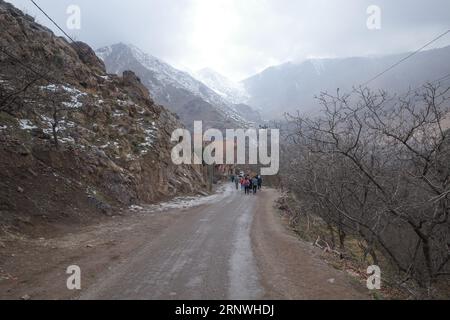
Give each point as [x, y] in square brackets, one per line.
[290, 87]
[189, 98]
[232, 91]
[241, 38]
[222, 103]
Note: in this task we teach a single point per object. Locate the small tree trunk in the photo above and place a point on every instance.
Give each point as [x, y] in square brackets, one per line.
[374, 256]
[55, 136]
[55, 128]
[342, 236]
[333, 239]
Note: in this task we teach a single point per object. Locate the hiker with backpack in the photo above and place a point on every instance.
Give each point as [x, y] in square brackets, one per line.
[247, 186]
[259, 182]
[255, 185]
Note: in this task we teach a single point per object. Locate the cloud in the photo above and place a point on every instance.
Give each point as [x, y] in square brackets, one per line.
[239, 38]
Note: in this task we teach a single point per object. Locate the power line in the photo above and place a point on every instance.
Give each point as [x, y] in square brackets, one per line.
[54, 22]
[362, 85]
[28, 67]
[405, 58]
[24, 65]
[442, 79]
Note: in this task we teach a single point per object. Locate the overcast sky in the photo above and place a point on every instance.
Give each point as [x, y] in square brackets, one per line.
[239, 38]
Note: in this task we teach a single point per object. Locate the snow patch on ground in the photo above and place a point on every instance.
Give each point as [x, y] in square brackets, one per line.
[26, 124]
[185, 202]
[69, 140]
[118, 114]
[150, 135]
[113, 144]
[63, 125]
[74, 94]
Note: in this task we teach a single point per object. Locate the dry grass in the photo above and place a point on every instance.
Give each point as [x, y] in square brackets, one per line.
[351, 259]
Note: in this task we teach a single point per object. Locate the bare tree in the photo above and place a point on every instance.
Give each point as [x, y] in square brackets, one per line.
[30, 87]
[19, 82]
[376, 166]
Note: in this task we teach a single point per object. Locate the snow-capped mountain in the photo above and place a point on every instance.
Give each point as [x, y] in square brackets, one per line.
[232, 91]
[178, 90]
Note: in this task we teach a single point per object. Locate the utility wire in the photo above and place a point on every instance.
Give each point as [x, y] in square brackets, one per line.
[442, 79]
[10, 55]
[54, 22]
[28, 67]
[404, 59]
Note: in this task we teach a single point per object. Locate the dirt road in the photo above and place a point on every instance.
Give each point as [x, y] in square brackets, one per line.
[229, 246]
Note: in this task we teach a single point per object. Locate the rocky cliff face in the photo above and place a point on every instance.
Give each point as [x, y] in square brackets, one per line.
[76, 141]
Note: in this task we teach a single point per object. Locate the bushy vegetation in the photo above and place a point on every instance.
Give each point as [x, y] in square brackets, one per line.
[377, 167]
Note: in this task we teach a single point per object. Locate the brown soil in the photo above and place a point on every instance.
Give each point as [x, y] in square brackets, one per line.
[294, 269]
[144, 243]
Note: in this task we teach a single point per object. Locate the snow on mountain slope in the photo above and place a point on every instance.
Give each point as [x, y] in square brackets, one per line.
[230, 90]
[167, 85]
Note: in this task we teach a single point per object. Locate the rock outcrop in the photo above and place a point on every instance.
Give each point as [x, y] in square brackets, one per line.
[74, 140]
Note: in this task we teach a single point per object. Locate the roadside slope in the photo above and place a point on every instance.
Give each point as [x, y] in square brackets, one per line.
[75, 142]
[290, 268]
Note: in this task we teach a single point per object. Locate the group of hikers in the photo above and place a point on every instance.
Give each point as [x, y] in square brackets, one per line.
[247, 184]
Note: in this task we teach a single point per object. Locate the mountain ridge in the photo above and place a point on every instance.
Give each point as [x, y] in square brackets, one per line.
[178, 90]
[292, 86]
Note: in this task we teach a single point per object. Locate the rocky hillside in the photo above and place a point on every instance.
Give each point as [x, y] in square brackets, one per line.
[179, 91]
[76, 141]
